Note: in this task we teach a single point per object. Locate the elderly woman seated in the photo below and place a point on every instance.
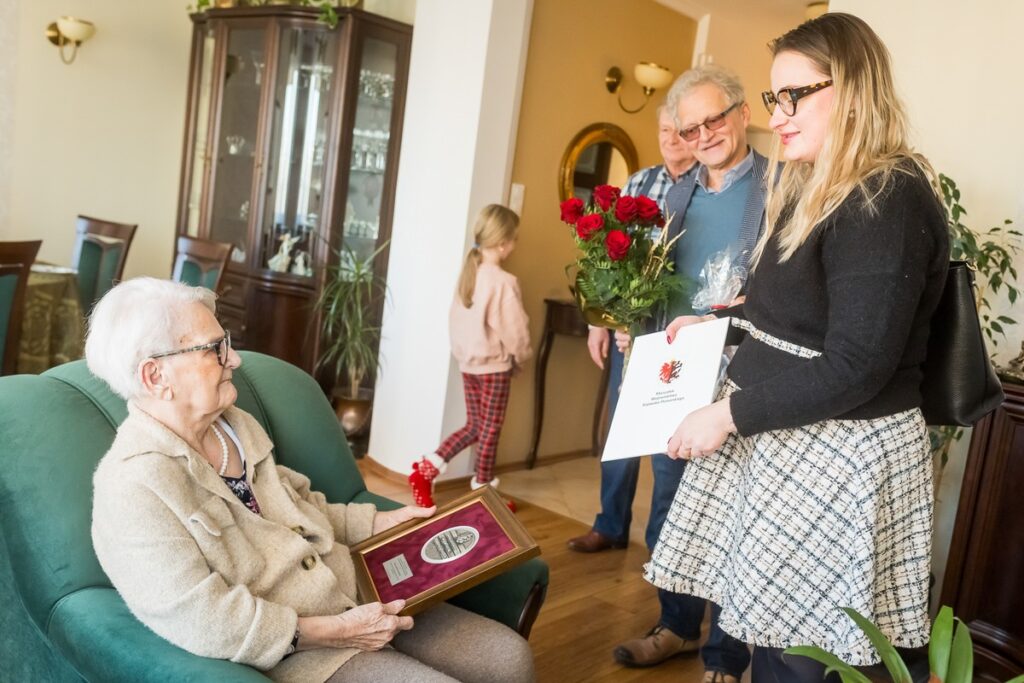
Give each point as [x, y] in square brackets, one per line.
[226, 554]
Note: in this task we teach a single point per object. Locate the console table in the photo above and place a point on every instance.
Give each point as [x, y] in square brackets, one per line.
[561, 316]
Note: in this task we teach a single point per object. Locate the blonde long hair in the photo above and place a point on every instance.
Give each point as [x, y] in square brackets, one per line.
[867, 132]
[494, 225]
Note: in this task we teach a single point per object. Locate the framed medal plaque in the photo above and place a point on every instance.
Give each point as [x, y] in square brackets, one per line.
[425, 561]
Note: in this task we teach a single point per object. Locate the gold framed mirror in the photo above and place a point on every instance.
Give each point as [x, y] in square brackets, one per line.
[600, 154]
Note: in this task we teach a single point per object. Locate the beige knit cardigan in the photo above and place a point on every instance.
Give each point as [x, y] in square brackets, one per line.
[204, 572]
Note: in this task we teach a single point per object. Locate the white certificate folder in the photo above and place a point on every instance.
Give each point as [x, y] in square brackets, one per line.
[663, 384]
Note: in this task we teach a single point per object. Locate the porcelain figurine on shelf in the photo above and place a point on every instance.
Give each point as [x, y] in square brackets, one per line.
[279, 262]
[301, 265]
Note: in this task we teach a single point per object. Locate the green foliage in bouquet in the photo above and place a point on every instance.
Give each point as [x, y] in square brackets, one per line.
[622, 273]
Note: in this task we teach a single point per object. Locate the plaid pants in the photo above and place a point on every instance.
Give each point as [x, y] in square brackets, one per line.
[486, 400]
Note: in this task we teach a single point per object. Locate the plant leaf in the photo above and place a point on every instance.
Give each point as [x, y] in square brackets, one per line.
[895, 665]
[941, 641]
[961, 660]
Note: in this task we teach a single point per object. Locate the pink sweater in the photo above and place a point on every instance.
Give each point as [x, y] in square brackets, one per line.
[494, 332]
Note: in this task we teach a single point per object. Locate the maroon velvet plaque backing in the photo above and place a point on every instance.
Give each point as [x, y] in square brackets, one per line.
[492, 543]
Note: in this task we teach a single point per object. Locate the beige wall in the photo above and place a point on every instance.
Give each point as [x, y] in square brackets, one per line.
[572, 44]
[103, 135]
[738, 38]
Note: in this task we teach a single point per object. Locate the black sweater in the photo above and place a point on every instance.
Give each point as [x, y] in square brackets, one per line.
[860, 290]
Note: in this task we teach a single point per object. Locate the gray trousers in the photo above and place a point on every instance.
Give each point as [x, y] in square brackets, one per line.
[445, 644]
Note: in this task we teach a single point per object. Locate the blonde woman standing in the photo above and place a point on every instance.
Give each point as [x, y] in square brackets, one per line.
[809, 487]
[490, 339]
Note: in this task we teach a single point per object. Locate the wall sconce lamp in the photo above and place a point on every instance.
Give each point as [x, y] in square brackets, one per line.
[649, 75]
[69, 31]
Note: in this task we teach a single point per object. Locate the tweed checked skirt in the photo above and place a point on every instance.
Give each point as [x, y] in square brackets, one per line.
[784, 528]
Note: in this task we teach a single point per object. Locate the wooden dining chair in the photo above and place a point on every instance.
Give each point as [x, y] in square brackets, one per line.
[16, 260]
[199, 262]
[101, 248]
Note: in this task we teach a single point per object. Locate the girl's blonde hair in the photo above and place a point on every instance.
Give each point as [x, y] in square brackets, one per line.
[867, 132]
[494, 225]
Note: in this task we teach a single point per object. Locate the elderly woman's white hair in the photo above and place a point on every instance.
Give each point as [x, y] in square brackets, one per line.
[133, 321]
[699, 75]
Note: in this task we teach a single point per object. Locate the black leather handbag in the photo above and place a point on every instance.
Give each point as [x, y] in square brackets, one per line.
[959, 386]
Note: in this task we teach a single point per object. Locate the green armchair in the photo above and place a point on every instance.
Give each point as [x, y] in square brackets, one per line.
[62, 620]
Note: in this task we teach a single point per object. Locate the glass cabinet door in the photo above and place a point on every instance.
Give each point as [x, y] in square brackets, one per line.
[236, 142]
[370, 145]
[298, 150]
[201, 139]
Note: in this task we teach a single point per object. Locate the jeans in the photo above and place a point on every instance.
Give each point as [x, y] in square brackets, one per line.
[681, 614]
[618, 478]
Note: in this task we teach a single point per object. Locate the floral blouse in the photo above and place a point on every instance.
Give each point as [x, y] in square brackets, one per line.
[239, 485]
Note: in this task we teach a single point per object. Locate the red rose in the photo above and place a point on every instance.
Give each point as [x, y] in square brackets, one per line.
[626, 209]
[617, 243]
[588, 225]
[572, 209]
[605, 196]
[647, 209]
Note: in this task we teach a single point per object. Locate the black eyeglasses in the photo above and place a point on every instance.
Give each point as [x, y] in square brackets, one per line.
[222, 346]
[788, 97]
[715, 122]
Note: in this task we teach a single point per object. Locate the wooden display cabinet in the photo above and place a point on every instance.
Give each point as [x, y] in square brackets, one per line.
[984, 581]
[292, 139]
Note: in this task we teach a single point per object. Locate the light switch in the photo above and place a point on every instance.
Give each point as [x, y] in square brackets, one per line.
[515, 197]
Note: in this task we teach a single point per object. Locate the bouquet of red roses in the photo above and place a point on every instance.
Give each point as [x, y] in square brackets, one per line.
[622, 272]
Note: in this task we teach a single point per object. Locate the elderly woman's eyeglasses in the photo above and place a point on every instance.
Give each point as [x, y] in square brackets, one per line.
[691, 133]
[788, 97]
[222, 346]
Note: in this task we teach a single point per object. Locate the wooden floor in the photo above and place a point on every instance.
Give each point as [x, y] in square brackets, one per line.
[594, 601]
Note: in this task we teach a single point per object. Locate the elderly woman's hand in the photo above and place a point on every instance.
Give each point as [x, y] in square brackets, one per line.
[366, 627]
[384, 520]
[702, 432]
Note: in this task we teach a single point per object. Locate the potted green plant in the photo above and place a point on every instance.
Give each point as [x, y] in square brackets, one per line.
[950, 655]
[992, 254]
[350, 333]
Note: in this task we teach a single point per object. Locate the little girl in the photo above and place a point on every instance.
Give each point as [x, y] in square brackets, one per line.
[490, 339]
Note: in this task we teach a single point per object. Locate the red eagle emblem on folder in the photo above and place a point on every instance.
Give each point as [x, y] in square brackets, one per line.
[670, 371]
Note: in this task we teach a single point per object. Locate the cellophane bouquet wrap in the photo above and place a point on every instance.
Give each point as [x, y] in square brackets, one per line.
[623, 273]
[720, 281]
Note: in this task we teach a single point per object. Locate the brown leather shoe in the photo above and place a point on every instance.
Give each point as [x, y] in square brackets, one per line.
[654, 648]
[719, 677]
[594, 542]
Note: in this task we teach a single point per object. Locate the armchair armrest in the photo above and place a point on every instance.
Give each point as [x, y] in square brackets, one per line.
[103, 641]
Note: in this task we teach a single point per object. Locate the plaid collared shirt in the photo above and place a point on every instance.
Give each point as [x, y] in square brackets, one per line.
[662, 183]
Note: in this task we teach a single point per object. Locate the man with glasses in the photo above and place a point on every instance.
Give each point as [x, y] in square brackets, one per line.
[619, 477]
[719, 207]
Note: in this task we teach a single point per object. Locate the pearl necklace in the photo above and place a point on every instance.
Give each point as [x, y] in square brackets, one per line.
[223, 450]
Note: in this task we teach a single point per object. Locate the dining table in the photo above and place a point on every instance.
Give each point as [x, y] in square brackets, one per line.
[53, 326]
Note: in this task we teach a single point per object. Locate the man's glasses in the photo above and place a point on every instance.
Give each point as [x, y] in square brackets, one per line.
[222, 346]
[715, 122]
[788, 97]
